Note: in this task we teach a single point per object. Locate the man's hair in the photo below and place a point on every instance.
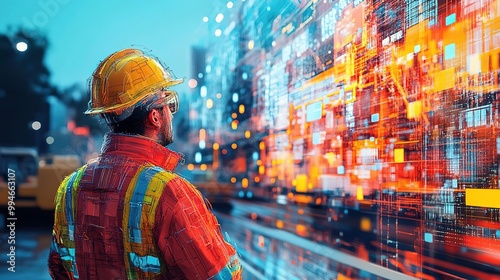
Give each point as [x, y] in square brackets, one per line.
[135, 123]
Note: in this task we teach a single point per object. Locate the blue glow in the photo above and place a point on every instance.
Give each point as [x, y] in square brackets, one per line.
[341, 170]
[451, 19]
[255, 156]
[197, 157]
[315, 138]
[449, 51]
[375, 117]
[203, 91]
[416, 49]
[314, 111]
[428, 237]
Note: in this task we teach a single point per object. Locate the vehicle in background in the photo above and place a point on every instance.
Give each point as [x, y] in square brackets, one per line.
[36, 178]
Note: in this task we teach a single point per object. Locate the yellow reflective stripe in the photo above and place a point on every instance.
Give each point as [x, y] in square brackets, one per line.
[63, 229]
[60, 202]
[152, 198]
[60, 219]
[149, 203]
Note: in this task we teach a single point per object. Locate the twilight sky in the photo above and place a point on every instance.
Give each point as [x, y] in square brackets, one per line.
[81, 33]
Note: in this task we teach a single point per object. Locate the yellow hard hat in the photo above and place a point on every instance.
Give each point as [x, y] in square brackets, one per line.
[123, 79]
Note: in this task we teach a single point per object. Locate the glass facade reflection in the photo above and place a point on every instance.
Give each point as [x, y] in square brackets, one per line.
[382, 113]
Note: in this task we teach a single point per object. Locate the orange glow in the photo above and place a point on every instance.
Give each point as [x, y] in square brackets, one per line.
[248, 134]
[259, 162]
[190, 166]
[301, 230]
[253, 216]
[82, 131]
[234, 115]
[302, 185]
[233, 180]
[365, 224]
[399, 155]
[234, 124]
[203, 134]
[262, 170]
[203, 167]
[300, 211]
[215, 146]
[318, 201]
[241, 109]
[279, 224]
[244, 183]
[256, 179]
[262, 145]
[234, 146]
[359, 193]
[261, 241]
[482, 197]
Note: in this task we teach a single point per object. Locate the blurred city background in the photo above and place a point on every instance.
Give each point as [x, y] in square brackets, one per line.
[335, 139]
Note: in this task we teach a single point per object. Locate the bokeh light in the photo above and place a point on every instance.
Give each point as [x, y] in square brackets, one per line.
[22, 46]
[36, 125]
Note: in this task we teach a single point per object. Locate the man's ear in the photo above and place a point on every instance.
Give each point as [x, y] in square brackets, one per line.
[154, 118]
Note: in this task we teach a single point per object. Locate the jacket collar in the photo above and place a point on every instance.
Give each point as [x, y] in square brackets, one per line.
[141, 148]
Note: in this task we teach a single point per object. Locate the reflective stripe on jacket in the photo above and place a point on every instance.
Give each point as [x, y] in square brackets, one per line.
[126, 215]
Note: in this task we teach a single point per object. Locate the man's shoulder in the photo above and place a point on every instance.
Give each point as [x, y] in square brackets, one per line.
[172, 182]
[158, 173]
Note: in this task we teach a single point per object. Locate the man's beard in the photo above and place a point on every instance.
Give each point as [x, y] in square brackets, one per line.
[165, 137]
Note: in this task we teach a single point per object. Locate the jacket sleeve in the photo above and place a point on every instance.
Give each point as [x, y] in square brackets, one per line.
[191, 239]
[56, 268]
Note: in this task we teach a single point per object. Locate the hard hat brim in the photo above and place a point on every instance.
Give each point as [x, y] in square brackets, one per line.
[120, 107]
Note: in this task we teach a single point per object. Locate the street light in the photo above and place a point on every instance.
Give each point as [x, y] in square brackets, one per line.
[21, 46]
[50, 140]
[219, 17]
[36, 125]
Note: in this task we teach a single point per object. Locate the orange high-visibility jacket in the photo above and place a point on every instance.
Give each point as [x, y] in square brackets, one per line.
[126, 215]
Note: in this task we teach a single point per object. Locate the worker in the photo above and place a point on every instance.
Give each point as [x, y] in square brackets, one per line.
[127, 214]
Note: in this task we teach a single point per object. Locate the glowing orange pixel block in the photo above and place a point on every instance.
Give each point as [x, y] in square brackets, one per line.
[444, 79]
[399, 155]
[489, 198]
[359, 193]
[414, 109]
[301, 183]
